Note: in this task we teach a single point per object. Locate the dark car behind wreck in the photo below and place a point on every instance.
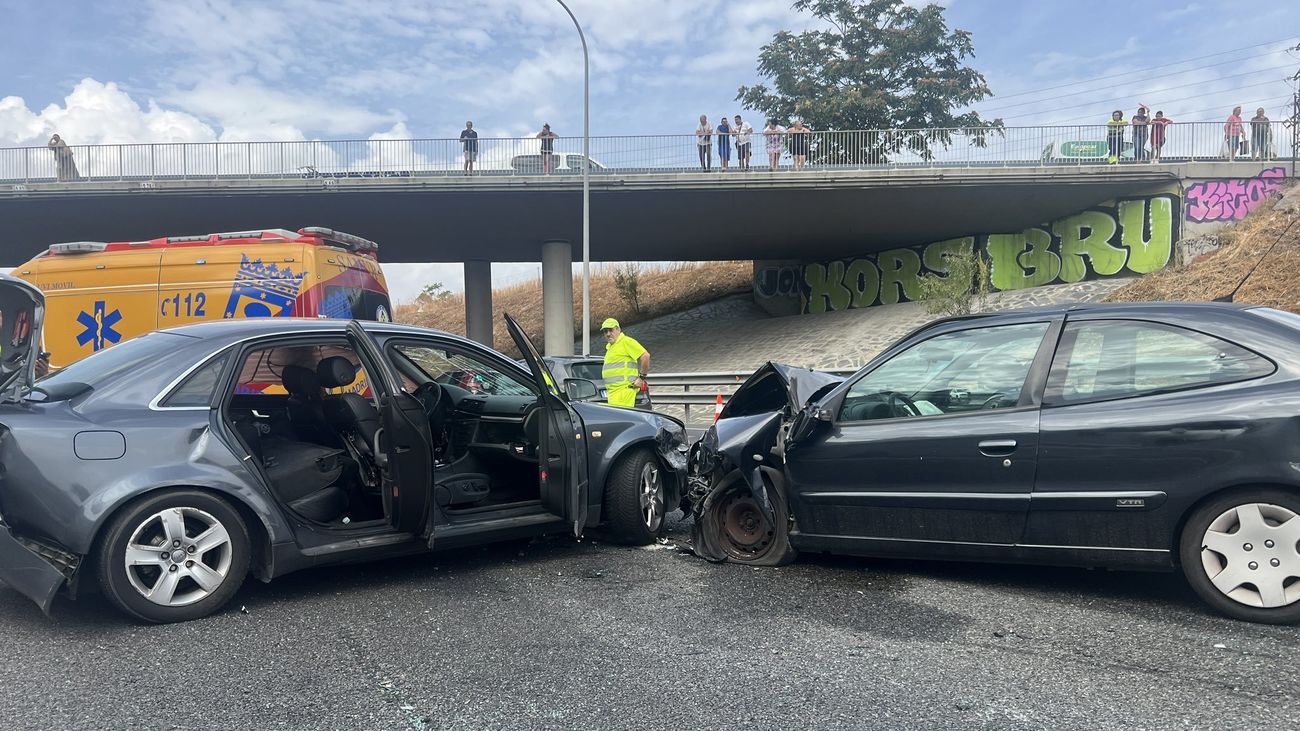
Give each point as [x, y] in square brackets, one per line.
[1144, 436]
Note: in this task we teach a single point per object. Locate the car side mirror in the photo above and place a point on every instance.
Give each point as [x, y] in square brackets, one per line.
[580, 389]
[805, 423]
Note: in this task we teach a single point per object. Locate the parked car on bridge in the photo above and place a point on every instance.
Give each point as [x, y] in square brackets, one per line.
[167, 468]
[587, 368]
[561, 163]
[1138, 436]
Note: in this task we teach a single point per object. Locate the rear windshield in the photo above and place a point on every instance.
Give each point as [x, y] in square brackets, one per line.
[588, 370]
[1290, 319]
[107, 364]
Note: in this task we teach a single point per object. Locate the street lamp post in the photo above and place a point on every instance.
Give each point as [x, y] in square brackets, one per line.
[586, 190]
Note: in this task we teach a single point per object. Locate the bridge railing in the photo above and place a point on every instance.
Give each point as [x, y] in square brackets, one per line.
[1049, 146]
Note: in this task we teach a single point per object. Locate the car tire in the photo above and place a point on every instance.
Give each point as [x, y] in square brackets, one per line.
[199, 558]
[635, 498]
[1241, 554]
[742, 530]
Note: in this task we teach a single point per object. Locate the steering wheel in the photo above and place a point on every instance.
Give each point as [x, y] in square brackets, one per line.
[901, 406]
[430, 396]
[998, 400]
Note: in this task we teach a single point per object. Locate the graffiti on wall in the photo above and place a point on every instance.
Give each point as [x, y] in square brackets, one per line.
[1214, 201]
[1126, 237]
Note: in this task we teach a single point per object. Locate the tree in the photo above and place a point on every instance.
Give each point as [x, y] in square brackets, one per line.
[885, 67]
[627, 280]
[963, 290]
[434, 291]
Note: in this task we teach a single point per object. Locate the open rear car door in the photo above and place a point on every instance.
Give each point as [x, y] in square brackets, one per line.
[561, 451]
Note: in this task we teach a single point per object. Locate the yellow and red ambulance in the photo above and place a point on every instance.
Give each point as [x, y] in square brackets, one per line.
[98, 294]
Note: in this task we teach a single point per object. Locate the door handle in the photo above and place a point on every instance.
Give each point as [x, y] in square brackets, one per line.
[997, 447]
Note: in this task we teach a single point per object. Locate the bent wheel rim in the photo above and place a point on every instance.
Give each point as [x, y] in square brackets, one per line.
[178, 556]
[746, 533]
[651, 489]
[1251, 553]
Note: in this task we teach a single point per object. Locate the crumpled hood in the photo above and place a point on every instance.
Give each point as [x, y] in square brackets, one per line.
[777, 385]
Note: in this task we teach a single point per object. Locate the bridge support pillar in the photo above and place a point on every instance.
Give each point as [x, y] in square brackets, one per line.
[557, 297]
[478, 301]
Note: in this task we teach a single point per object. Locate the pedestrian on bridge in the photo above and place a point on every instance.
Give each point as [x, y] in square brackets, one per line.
[744, 142]
[65, 168]
[1115, 135]
[773, 133]
[469, 140]
[1261, 135]
[799, 136]
[1141, 124]
[704, 142]
[1158, 125]
[1232, 129]
[548, 139]
[626, 366]
[724, 143]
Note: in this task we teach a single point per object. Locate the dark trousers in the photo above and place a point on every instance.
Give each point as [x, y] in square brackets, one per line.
[706, 156]
[1139, 143]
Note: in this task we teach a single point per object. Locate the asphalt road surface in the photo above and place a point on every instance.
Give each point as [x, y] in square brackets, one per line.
[565, 634]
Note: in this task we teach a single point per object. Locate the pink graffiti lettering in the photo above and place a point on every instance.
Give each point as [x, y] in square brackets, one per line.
[1232, 199]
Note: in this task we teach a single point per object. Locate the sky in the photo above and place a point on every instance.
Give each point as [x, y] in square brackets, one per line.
[119, 71]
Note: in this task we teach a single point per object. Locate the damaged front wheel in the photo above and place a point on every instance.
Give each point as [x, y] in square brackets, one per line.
[743, 533]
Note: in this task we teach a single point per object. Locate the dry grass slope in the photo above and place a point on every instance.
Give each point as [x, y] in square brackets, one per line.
[1263, 249]
[661, 292]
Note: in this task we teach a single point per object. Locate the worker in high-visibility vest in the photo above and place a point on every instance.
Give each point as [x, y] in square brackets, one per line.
[626, 365]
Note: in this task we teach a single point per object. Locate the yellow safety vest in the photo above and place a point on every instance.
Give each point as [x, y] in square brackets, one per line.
[621, 368]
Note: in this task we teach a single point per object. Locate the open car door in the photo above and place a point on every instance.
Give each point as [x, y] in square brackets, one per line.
[561, 451]
[403, 446]
[22, 307]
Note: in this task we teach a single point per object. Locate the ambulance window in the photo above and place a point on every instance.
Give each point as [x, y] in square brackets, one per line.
[352, 303]
[197, 389]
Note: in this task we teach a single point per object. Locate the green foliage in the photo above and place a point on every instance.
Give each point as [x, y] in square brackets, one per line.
[627, 280]
[883, 65]
[435, 291]
[964, 290]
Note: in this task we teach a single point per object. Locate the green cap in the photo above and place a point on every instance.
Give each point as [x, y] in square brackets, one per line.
[608, 323]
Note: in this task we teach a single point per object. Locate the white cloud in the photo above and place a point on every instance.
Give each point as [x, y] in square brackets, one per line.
[98, 113]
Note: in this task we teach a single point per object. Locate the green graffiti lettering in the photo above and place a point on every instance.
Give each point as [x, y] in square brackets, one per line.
[826, 290]
[936, 254]
[1015, 267]
[900, 276]
[1088, 235]
[1146, 255]
[863, 280]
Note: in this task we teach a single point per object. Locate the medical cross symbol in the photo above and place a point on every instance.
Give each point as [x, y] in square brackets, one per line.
[99, 326]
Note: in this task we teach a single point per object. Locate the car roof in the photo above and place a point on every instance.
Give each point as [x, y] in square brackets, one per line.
[1116, 308]
[235, 329]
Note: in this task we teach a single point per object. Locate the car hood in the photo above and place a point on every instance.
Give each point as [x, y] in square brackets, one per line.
[775, 386]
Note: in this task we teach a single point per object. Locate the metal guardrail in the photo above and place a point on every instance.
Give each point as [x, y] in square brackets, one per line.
[1045, 146]
[708, 386]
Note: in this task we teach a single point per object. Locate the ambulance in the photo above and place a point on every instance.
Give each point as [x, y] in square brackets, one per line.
[98, 294]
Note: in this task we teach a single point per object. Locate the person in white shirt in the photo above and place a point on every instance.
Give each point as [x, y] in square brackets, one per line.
[704, 141]
[744, 136]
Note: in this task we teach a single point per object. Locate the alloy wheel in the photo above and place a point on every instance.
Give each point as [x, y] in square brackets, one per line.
[652, 496]
[1251, 553]
[178, 556]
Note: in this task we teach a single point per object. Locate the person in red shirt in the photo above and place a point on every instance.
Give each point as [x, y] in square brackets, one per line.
[1158, 124]
[1232, 133]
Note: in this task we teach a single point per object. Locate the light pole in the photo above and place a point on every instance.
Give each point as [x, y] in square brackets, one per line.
[586, 190]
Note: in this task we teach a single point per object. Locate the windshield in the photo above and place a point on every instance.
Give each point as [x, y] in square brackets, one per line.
[107, 364]
[590, 370]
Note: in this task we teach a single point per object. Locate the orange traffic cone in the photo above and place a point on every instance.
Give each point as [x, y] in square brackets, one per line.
[717, 408]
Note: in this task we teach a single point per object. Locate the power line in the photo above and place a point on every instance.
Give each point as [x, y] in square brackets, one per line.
[1112, 86]
[1112, 102]
[1148, 69]
[1167, 104]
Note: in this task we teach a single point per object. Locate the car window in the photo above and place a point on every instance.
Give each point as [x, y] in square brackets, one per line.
[589, 370]
[1108, 359]
[968, 370]
[197, 389]
[124, 358]
[467, 372]
[263, 370]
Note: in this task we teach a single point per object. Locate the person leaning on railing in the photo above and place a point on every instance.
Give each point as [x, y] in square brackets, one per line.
[1158, 126]
[704, 142]
[1115, 135]
[65, 168]
[1261, 135]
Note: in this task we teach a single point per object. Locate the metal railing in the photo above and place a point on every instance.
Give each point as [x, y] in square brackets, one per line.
[1050, 146]
[672, 392]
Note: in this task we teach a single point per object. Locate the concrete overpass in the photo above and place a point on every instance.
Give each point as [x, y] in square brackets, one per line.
[813, 214]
